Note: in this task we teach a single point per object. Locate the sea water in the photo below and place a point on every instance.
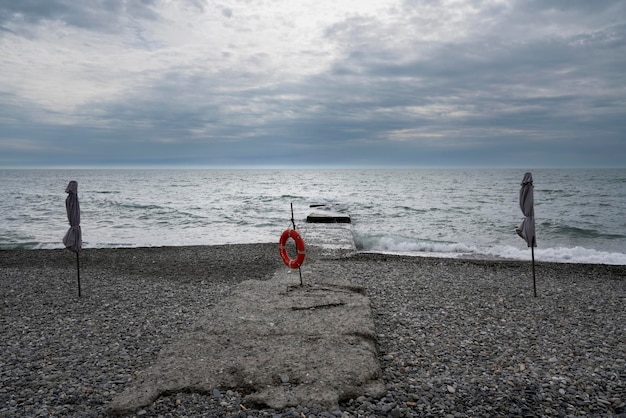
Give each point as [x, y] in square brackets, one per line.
[579, 213]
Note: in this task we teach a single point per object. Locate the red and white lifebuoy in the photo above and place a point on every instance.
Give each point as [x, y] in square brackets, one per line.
[282, 249]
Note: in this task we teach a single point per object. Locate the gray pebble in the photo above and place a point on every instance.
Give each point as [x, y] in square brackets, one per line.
[461, 336]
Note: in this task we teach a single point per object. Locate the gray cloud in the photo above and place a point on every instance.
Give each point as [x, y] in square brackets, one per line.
[98, 15]
[416, 84]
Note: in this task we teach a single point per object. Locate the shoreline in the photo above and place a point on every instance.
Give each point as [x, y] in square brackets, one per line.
[456, 336]
[365, 253]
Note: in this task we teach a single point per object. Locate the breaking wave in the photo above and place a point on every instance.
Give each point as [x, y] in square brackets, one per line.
[401, 246]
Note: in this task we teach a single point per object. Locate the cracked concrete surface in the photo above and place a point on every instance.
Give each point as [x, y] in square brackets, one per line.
[280, 343]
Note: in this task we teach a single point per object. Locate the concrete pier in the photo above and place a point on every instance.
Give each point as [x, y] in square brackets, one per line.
[278, 342]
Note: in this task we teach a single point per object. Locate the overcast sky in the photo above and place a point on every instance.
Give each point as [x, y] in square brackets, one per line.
[520, 83]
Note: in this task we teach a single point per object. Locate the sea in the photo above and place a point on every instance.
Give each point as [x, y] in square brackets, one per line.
[470, 213]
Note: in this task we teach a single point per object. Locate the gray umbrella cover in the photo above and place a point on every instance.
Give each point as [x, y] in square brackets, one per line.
[73, 239]
[526, 230]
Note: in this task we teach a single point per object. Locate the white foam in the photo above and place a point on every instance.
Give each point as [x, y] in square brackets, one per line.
[48, 246]
[580, 255]
[329, 236]
[560, 255]
[391, 245]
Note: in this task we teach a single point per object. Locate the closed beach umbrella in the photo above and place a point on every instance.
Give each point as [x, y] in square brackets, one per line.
[526, 230]
[73, 239]
[526, 202]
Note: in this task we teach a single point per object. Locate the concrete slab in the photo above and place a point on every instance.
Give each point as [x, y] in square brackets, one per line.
[279, 343]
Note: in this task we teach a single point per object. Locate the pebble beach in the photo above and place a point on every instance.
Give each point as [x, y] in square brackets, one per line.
[456, 338]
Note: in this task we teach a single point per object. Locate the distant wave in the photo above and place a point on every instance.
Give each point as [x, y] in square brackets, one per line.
[577, 232]
[396, 245]
[29, 245]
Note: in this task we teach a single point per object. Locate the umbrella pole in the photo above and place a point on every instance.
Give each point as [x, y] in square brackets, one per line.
[532, 252]
[78, 272]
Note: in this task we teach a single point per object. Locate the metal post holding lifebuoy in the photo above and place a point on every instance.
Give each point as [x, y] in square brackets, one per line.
[293, 222]
[300, 247]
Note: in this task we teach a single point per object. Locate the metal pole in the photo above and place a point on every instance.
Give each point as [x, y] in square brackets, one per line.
[293, 222]
[78, 272]
[532, 252]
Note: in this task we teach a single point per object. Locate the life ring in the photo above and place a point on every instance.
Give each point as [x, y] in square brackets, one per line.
[282, 249]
